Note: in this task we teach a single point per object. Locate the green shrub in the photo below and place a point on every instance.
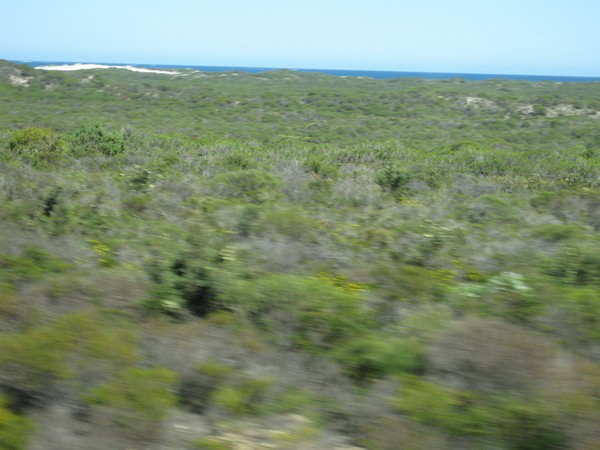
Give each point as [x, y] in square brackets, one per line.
[580, 310]
[291, 400]
[107, 257]
[375, 356]
[10, 305]
[527, 426]
[192, 279]
[239, 161]
[231, 400]
[136, 203]
[394, 179]
[504, 295]
[247, 396]
[14, 429]
[293, 223]
[320, 168]
[95, 138]
[430, 404]
[386, 431]
[488, 208]
[214, 369]
[306, 312]
[212, 443]
[517, 424]
[41, 142]
[163, 296]
[578, 264]
[252, 185]
[248, 221]
[411, 283]
[196, 285]
[34, 361]
[109, 340]
[136, 400]
[559, 232]
[196, 390]
[31, 265]
[142, 179]
[31, 363]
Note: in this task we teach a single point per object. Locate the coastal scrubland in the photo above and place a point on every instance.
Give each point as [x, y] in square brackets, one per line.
[295, 260]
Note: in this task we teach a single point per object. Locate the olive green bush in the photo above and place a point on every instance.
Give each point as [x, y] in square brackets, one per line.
[135, 401]
[14, 429]
[95, 138]
[508, 422]
[246, 396]
[32, 264]
[373, 357]
[300, 311]
[252, 185]
[196, 390]
[504, 295]
[394, 179]
[37, 362]
[42, 143]
[453, 410]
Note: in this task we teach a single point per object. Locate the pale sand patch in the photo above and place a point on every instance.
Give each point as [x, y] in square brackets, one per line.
[79, 66]
[18, 81]
[567, 110]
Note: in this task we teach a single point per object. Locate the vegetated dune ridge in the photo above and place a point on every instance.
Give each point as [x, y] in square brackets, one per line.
[290, 260]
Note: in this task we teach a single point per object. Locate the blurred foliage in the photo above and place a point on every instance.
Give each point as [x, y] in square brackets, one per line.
[246, 396]
[394, 179]
[253, 186]
[400, 263]
[91, 138]
[376, 356]
[196, 390]
[37, 144]
[14, 429]
[35, 361]
[299, 311]
[135, 400]
[512, 423]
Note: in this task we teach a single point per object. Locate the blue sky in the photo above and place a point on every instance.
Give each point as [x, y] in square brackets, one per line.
[548, 37]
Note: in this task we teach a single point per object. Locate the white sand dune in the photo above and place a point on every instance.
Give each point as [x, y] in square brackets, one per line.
[79, 66]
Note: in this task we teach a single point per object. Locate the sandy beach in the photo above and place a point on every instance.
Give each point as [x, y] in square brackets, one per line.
[80, 66]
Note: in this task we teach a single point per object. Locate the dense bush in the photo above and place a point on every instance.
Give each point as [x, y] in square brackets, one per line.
[244, 397]
[453, 410]
[252, 185]
[196, 390]
[135, 401]
[34, 362]
[504, 295]
[394, 179]
[41, 142]
[300, 311]
[14, 429]
[372, 356]
[95, 138]
[510, 423]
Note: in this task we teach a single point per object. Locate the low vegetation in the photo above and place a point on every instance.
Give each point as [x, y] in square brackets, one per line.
[296, 260]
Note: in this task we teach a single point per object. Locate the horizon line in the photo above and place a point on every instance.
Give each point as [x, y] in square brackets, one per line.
[269, 68]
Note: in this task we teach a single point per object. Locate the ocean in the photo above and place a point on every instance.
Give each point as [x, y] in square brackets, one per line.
[345, 73]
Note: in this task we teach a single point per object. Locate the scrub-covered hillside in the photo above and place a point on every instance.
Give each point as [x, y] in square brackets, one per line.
[291, 260]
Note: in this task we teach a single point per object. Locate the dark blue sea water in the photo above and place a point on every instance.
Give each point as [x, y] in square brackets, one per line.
[349, 73]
